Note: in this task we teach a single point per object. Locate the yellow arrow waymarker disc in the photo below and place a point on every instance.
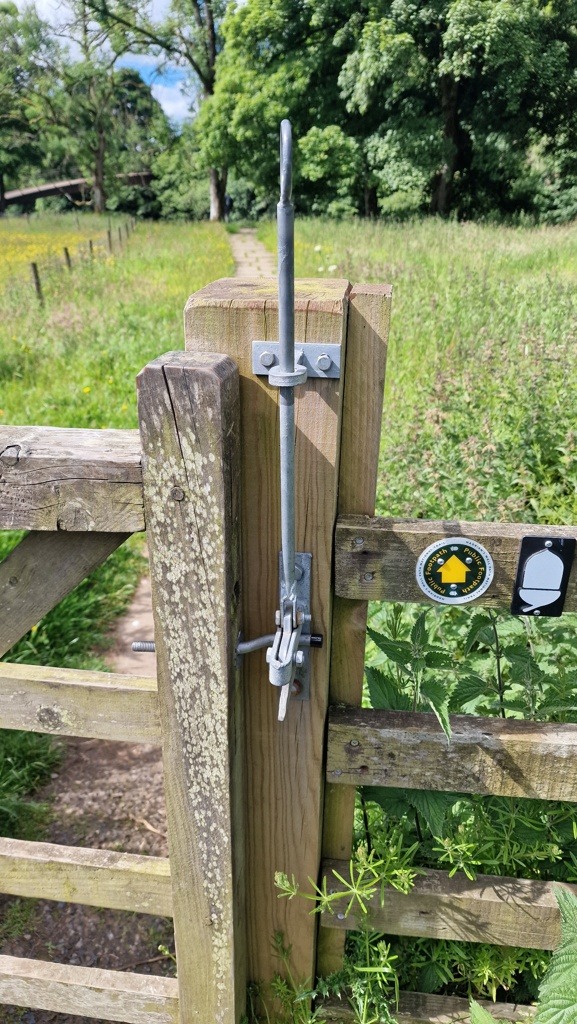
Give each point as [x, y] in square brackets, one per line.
[455, 570]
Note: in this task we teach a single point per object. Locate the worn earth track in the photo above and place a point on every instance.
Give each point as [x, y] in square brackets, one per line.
[107, 796]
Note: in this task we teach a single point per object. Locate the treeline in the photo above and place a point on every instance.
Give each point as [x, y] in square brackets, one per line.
[456, 107]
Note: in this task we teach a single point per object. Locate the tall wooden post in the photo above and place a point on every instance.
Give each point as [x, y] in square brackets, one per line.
[284, 760]
[189, 420]
[367, 334]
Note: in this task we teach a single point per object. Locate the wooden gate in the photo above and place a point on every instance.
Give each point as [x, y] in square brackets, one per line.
[248, 796]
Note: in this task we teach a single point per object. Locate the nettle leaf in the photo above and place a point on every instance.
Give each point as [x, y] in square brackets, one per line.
[435, 657]
[468, 689]
[480, 631]
[419, 635]
[479, 1015]
[433, 807]
[398, 651]
[519, 654]
[558, 990]
[384, 693]
[437, 695]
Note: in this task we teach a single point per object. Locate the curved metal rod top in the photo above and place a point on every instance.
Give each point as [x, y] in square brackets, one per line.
[286, 161]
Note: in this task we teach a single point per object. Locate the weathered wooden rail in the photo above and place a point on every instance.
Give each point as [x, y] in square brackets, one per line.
[234, 819]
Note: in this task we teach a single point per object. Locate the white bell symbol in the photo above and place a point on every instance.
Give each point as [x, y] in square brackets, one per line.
[541, 583]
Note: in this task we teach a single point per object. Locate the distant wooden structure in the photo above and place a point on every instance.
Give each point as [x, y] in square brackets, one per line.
[70, 188]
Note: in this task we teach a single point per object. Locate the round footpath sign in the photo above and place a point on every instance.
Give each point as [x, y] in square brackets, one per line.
[455, 570]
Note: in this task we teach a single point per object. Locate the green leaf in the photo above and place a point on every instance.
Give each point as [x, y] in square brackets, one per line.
[437, 658]
[479, 623]
[468, 689]
[398, 651]
[437, 695]
[481, 1016]
[419, 635]
[430, 805]
[384, 693]
[558, 990]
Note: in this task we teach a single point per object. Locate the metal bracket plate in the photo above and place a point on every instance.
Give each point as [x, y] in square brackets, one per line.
[320, 360]
[303, 562]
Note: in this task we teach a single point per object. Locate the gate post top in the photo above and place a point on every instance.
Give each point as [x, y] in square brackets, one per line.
[326, 294]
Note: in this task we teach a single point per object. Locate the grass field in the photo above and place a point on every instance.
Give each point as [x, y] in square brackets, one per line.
[74, 363]
[24, 240]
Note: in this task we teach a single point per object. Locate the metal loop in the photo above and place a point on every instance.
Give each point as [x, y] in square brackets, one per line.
[286, 161]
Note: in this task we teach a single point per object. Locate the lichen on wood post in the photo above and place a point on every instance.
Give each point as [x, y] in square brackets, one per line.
[189, 421]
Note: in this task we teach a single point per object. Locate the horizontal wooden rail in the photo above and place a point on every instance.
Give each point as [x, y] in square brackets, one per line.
[54, 478]
[88, 991]
[501, 757]
[97, 878]
[375, 559]
[70, 702]
[499, 911]
[417, 1008]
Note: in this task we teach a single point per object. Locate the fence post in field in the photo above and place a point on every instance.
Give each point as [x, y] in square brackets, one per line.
[37, 285]
[67, 259]
[189, 421]
[109, 239]
[284, 760]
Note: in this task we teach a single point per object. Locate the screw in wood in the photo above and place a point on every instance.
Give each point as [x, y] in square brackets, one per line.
[368, 577]
[177, 493]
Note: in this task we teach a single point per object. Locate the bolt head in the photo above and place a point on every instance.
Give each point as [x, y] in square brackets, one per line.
[177, 493]
[267, 359]
[299, 658]
[324, 362]
[368, 576]
[277, 618]
[358, 542]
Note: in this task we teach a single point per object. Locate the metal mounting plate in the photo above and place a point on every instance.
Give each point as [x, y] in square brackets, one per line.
[307, 354]
[303, 562]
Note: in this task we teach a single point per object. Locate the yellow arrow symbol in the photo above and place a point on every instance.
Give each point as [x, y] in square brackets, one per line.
[453, 570]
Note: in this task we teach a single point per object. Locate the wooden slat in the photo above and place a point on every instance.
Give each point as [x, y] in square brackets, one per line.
[364, 377]
[70, 702]
[54, 478]
[88, 991]
[97, 878]
[502, 757]
[284, 762]
[375, 559]
[189, 414]
[499, 911]
[40, 571]
[418, 1008]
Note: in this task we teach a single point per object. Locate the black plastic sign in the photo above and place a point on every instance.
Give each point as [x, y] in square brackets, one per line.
[542, 575]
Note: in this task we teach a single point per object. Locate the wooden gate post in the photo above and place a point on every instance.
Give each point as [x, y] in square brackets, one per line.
[284, 760]
[188, 409]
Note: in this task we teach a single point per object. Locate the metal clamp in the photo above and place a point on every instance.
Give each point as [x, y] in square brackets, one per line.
[318, 359]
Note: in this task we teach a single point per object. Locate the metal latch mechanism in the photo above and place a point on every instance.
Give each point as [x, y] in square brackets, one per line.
[288, 649]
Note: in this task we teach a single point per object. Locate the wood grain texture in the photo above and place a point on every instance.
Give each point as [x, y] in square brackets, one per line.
[40, 571]
[69, 702]
[418, 1008]
[285, 760]
[97, 878]
[382, 567]
[502, 757]
[54, 478]
[364, 379]
[188, 409]
[88, 991]
[500, 911]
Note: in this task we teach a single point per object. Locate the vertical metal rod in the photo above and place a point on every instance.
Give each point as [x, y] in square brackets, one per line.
[286, 291]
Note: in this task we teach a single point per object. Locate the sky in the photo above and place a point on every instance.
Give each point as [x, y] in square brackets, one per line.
[166, 87]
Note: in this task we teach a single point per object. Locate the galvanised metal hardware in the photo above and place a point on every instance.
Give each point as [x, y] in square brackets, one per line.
[287, 653]
[317, 359]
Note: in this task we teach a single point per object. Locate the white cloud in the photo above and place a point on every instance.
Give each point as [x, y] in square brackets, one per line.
[175, 105]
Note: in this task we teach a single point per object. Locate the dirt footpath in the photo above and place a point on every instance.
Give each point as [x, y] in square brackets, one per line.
[107, 796]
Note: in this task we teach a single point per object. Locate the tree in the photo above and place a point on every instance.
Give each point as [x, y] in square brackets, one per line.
[25, 51]
[444, 102]
[187, 36]
[95, 117]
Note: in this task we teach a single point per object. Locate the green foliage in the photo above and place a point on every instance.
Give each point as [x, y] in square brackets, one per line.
[26, 761]
[557, 992]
